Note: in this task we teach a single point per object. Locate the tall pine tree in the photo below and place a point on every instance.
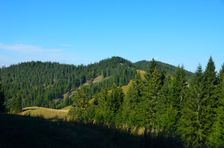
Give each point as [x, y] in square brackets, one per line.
[151, 96]
[209, 101]
[132, 113]
[216, 136]
[178, 93]
[115, 101]
[102, 113]
[80, 104]
[189, 126]
[165, 116]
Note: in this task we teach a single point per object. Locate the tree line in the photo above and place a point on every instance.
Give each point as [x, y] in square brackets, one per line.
[192, 109]
[2, 98]
[52, 85]
[46, 83]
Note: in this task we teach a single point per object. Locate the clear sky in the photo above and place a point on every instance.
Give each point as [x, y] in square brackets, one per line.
[179, 32]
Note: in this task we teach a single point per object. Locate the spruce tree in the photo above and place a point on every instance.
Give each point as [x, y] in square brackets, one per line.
[165, 116]
[216, 137]
[114, 102]
[153, 65]
[189, 126]
[102, 113]
[178, 88]
[116, 99]
[15, 104]
[151, 95]
[209, 101]
[132, 114]
[80, 104]
[178, 93]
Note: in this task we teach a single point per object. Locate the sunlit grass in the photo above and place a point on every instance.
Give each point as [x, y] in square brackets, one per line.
[46, 113]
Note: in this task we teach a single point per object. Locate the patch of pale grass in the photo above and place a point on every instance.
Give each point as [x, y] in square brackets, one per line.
[46, 113]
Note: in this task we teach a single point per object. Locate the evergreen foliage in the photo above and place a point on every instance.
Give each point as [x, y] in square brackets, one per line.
[53, 85]
[42, 84]
[154, 102]
[172, 105]
[189, 126]
[2, 98]
[216, 136]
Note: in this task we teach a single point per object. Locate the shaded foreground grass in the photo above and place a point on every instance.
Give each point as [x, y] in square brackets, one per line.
[19, 131]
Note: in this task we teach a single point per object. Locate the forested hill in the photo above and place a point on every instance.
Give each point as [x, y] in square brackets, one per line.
[170, 69]
[38, 83]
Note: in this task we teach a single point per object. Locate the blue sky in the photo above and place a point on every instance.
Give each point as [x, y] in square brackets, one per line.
[179, 32]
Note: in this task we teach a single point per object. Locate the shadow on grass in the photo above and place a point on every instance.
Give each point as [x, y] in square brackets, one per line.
[19, 131]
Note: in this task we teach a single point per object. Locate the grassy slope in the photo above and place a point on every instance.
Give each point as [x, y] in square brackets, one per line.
[46, 113]
[20, 131]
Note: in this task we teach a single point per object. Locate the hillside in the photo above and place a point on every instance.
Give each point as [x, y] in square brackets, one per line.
[52, 84]
[140, 101]
[162, 67]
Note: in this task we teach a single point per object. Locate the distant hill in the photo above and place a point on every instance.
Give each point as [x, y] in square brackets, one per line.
[162, 67]
[44, 83]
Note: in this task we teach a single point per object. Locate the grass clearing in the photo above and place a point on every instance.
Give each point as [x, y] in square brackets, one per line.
[46, 113]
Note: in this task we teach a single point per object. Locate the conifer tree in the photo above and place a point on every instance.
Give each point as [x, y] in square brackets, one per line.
[153, 66]
[115, 100]
[132, 114]
[102, 113]
[178, 93]
[216, 137]
[151, 95]
[15, 104]
[189, 126]
[165, 112]
[209, 101]
[178, 88]
[80, 104]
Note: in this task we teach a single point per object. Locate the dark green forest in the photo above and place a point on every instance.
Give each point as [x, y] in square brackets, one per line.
[160, 99]
[162, 104]
[44, 84]
[53, 85]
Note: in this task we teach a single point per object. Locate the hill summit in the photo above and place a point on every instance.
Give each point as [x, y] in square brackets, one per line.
[50, 84]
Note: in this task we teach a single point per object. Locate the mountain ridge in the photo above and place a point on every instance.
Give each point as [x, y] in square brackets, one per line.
[38, 83]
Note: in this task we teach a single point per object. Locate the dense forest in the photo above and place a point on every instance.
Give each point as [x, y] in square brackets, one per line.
[161, 104]
[146, 98]
[2, 98]
[38, 83]
[53, 84]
